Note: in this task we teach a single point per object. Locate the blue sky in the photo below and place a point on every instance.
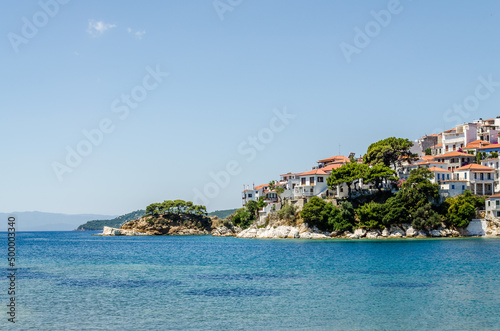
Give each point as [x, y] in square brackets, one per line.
[226, 80]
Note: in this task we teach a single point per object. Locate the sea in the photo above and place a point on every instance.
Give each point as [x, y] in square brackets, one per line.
[77, 281]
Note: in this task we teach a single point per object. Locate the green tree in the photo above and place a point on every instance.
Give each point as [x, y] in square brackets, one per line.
[343, 220]
[312, 212]
[425, 217]
[494, 155]
[243, 218]
[371, 215]
[348, 173]
[462, 209]
[377, 173]
[389, 152]
[428, 151]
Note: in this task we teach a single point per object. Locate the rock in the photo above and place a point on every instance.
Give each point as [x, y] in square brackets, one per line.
[396, 232]
[334, 234]
[360, 232]
[248, 233]
[354, 236]
[304, 228]
[406, 226]
[464, 232]
[294, 233]
[422, 234]
[435, 233]
[385, 232]
[411, 232]
[306, 235]
[373, 234]
[396, 235]
[318, 236]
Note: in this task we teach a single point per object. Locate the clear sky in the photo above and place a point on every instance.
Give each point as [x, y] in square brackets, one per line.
[340, 74]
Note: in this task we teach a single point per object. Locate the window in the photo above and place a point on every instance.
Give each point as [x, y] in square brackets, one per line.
[489, 175]
[463, 187]
[475, 176]
[448, 176]
[452, 187]
[439, 177]
[465, 175]
[498, 202]
[311, 180]
[320, 179]
[482, 176]
[303, 181]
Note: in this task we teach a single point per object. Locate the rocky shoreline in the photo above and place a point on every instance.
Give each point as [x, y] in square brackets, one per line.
[144, 227]
[490, 228]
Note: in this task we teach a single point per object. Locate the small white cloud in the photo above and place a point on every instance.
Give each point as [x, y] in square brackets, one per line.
[138, 34]
[97, 28]
[76, 53]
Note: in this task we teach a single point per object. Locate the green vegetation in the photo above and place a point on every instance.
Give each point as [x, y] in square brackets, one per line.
[222, 213]
[388, 151]
[428, 151]
[288, 212]
[461, 209]
[245, 216]
[348, 174]
[175, 207]
[417, 202]
[98, 225]
[328, 217]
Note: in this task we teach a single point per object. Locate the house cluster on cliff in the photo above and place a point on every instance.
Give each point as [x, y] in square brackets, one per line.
[462, 158]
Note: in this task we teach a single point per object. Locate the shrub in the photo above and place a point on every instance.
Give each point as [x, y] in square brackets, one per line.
[371, 215]
[287, 212]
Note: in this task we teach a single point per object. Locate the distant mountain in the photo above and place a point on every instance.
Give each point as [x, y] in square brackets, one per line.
[40, 221]
[222, 213]
[98, 225]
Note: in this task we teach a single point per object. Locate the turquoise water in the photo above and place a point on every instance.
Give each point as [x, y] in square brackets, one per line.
[75, 281]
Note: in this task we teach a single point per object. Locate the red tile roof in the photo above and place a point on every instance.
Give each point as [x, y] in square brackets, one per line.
[490, 146]
[313, 172]
[334, 158]
[258, 187]
[475, 167]
[476, 144]
[332, 166]
[438, 169]
[494, 196]
[454, 154]
[436, 146]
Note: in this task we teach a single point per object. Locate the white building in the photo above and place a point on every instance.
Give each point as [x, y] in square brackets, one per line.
[480, 178]
[452, 188]
[493, 205]
[458, 138]
[493, 163]
[311, 183]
